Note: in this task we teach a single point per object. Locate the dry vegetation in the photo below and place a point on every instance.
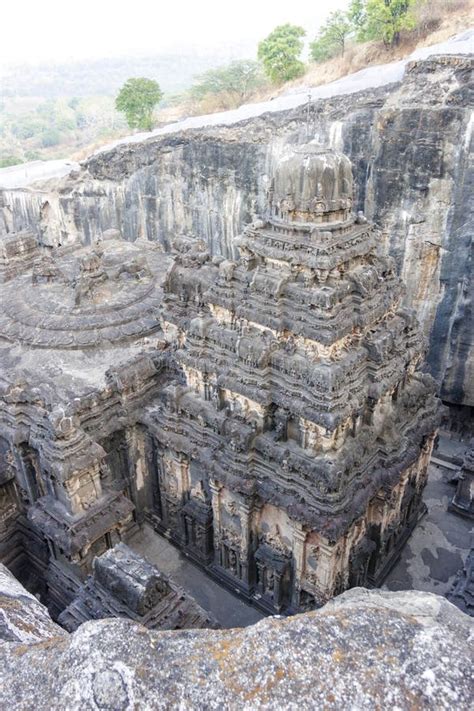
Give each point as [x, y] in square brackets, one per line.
[438, 21]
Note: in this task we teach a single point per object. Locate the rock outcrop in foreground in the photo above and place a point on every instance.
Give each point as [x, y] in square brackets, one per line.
[364, 650]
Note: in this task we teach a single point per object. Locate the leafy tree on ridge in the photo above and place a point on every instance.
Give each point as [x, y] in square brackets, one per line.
[280, 53]
[331, 38]
[136, 99]
[236, 81]
[382, 19]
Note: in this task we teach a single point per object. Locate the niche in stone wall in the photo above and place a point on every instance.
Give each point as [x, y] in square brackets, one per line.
[154, 454]
[7, 467]
[117, 458]
[99, 546]
[173, 482]
[197, 514]
[8, 503]
[273, 556]
[30, 480]
[293, 429]
[230, 556]
[373, 533]
[359, 562]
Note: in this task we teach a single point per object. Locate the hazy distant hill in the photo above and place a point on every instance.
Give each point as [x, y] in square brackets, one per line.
[55, 109]
[103, 77]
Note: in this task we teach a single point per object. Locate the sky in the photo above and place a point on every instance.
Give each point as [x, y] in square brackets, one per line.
[45, 30]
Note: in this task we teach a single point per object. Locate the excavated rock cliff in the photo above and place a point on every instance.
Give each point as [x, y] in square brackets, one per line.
[410, 143]
[363, 650]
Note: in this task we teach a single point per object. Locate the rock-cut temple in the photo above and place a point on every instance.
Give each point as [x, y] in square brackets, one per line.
[268, 414]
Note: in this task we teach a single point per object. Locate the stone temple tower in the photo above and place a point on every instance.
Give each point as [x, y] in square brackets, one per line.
[291, 456]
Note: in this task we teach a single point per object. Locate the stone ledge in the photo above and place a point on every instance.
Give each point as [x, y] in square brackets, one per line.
[365, 649]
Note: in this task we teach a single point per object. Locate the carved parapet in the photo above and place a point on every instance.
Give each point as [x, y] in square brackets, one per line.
[134, 377]
[73, 535]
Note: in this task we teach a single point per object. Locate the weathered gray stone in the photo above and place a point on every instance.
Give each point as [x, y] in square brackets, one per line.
[411, 147]
[23, 619]
[278, 429]
[363, 650]
[462, 591]
[123, 584]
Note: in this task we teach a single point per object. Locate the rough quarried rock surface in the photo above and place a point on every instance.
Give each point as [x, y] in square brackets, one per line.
[410, 143]
[23, 619]
[363, 650]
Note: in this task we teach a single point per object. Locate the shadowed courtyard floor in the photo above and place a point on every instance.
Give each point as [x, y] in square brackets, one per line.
[439, 544]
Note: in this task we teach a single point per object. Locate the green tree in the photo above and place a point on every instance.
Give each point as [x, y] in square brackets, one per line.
[280, 53]
[235, 82]
[74, 103]
[383, 19]
[28, 126]
[9, 160]
[51, 137]
[136, 99]
[356, 16]
[331, 38]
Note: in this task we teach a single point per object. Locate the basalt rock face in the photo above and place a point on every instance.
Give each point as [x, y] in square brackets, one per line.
[363, 650]
[410, 144]
[23, 620]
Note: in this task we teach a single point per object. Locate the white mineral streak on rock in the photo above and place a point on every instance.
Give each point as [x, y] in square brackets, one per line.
[469, 129]
[335, 136]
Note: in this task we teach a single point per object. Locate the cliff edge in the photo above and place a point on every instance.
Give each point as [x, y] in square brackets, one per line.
[365, 649]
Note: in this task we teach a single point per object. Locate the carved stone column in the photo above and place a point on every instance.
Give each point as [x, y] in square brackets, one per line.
[137, 470]
[325, 570]
[299, 538]
[245, 509]
[216, 487]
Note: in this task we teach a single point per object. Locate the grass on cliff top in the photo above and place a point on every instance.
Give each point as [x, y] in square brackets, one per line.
[441, 19]
[79, 127]
[438, 21]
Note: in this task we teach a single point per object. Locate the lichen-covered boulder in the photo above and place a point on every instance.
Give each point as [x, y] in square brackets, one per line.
[23, 619]
[363, 650]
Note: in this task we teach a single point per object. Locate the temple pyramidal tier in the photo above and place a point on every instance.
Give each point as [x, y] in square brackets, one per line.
[268, 415]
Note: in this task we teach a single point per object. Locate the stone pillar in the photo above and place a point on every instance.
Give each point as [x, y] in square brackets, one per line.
[325, 568]
[245, 516]
[277, 590]
[299, 538]
[137, 469]
[216, 487]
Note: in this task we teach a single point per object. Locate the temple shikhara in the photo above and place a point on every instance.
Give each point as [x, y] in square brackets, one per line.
[269, 415]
